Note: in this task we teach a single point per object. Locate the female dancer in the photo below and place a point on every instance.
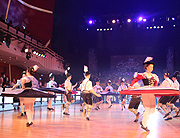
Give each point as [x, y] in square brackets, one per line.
[148, 79]
[18, 84]
[123, 96]
[51, 84]
[87, 91]
[110, 89]
[30, 82]
[98, 89]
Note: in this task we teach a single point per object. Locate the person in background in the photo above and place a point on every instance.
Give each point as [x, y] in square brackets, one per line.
[110, 89]
[51, 84]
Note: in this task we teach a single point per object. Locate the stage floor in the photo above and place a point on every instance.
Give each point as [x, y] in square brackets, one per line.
[104, 123]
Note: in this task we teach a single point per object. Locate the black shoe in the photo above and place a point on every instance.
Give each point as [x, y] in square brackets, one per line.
[176, 116]
[110, 106]
[81, 110]
[52, 109]
[96, 108]
[145, 128]
[135, 120]
[84, 112]
[63, 106]
[137, 114]
[158, 109]
[22, 114]
[124, 107]
[66, 113]
[29, 124]
[177, 113]
[48, 108]
[166, 115]
[87, 118]
[169, 118]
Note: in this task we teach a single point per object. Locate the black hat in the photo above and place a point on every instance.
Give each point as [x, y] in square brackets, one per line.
[86, 71]
[176, 74]
[97, 80]
[109, 81]
[51, 75]
[24, 72]
[67, 72]
[148, 61]
[166, 74]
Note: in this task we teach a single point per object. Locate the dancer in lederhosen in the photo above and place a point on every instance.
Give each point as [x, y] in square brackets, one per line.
[165, 99]
[51, 84]
[109, 97]
[68, 90]
[98, 89]
[149, 79]
[30, 82]
[87, 91]
[173, 99]
[18, 84]
[123, 96]
[135, 101]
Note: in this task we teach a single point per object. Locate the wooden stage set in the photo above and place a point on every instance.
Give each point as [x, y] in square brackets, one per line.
[104, 123]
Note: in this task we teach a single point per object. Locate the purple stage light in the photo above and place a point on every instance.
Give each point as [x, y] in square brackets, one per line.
[90, 21]
[173, 18]
[144, 20]
[140, 18]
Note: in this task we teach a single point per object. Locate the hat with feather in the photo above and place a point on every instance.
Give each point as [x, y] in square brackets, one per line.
[148, 61]
[67, 72]
[86, 72]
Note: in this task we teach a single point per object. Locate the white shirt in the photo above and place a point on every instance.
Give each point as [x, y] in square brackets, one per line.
[86, 85]
[98, 89]
[167, 83]
[176, 84]
[122, 87]
[68, 85]
[51, 84]
[110, 88]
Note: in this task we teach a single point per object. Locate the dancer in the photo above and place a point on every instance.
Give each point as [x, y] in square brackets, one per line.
[68, 90]
[123, 96]
[87, 91]
[149, 79]
[110, 89]
[98, 89]
[51, 84]
[18, 84]
[173, 99]
[135, 100]
[165, 99]
[30, 82]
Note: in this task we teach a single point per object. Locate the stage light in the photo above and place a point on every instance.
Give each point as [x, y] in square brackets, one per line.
[113, 21]
[150, 27]
[144, 20]
[117, 20]
[34, 52]
[87, 29]
[37, 53]
[90, 22]
[44, 56]
[97, 29]
[173, 18]
[128, 20]
[140, 19]
[100, 29]
[174, 25]
[26, 50]
[154, 27]
[104, 29]
[147, 27]
[107, 29]
[111, 29]
[158, 27]
[162, 26]
[23, 49]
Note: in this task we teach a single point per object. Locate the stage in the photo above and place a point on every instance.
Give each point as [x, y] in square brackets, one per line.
[104, 123]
